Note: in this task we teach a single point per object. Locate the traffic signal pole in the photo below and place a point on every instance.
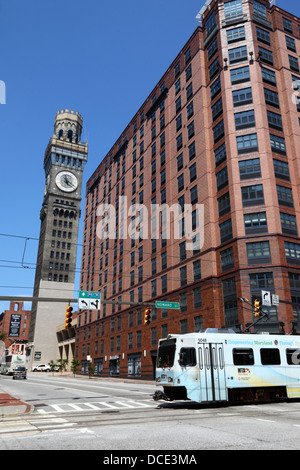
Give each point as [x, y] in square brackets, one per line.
[68, 300]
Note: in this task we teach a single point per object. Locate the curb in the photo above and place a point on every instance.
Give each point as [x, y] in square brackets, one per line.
[10, 405]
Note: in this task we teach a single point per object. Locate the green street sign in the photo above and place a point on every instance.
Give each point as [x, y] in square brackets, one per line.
[86, 294]
[89, 300]
[171, 305]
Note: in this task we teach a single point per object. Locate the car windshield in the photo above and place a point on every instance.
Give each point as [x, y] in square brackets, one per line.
[20, 369]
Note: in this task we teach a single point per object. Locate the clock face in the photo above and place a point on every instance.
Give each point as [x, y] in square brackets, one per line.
[66, 181]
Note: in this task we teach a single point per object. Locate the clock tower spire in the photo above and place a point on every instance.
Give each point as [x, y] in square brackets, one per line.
[64, 162]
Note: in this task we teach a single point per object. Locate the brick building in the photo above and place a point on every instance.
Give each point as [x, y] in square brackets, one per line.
[219, 132]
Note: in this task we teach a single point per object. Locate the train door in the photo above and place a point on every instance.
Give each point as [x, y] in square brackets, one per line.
[212, 372]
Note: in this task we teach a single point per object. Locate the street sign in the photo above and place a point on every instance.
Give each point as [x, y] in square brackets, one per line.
[170, 305]
[275, 299]
[89, 300]
[266, 298]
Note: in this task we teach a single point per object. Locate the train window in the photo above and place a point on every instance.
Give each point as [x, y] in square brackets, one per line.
[166, 353]
[270, 356]
[243, 356]
[293, 357]
[187, 357]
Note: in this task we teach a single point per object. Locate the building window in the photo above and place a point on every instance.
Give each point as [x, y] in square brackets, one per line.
[268, 76]
[194, 195]
[259, 9]
[183, 276]
[285, 196]
[281, 169]
[242, 97]
[220, 154]
[287, 25]
[197, 270]
[227, 260]
[212, 49]
[250, 168]
[263, 36]
[292, 253]
[230, 302]
[288, 224]
[290, 44]
[183, 326]
[277, 144]
[265, 55]
[239, 54]
[189, 91]
[258, 252]
[164, 284]
[213, 69]
[224, 204]
[217, 109]
[225, 231]
[236, 34]
[233, 9]
[274, 120]
[271, 98]
[240, 75]
[197, 297]
[244, 120]
[215, 88]
[294, 65]
[255, 223]
[210, 23]
[218, 131]
[193, 172]
[247, 143]
[252, 195]
[222, 179]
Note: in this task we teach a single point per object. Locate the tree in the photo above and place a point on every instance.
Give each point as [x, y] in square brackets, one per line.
[62, 364]
[3, 336]
[91, 370]
[74, 365]
[53, 366]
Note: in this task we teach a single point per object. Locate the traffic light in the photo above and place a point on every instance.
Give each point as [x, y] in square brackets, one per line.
[257, 308]
[68, 319]
[147, 316]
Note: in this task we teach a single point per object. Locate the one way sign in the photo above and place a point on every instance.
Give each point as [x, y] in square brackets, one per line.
[89, 300]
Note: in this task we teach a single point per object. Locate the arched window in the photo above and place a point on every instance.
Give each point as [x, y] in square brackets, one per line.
[60, 133]
[70, 135]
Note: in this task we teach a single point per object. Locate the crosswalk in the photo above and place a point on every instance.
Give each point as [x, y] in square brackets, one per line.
[96, 406]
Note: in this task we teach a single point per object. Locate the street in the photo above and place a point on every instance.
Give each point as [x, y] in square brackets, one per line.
[112, 414]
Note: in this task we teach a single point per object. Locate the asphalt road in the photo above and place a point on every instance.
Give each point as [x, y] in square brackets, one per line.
[118, 418]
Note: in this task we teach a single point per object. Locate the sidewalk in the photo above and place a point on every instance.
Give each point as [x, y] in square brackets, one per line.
[12, 406]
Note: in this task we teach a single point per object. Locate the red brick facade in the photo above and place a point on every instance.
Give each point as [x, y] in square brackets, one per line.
[220, 129]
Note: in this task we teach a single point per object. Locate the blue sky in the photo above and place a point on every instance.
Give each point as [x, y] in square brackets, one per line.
[99, 58]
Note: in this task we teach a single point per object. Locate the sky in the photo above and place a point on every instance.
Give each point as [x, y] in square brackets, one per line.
[99, 58]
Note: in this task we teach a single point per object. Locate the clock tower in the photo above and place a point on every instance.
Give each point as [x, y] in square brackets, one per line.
[64, 161]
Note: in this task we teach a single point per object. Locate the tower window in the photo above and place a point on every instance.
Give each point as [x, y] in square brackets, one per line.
[70, 135]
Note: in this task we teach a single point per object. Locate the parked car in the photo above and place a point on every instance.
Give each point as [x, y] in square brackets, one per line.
[41, 368]
[19, 373]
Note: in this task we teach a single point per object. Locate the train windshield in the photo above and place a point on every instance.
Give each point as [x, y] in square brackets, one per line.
[166, 353]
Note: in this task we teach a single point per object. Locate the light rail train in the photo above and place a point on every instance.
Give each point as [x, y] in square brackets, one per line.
[222, 366]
